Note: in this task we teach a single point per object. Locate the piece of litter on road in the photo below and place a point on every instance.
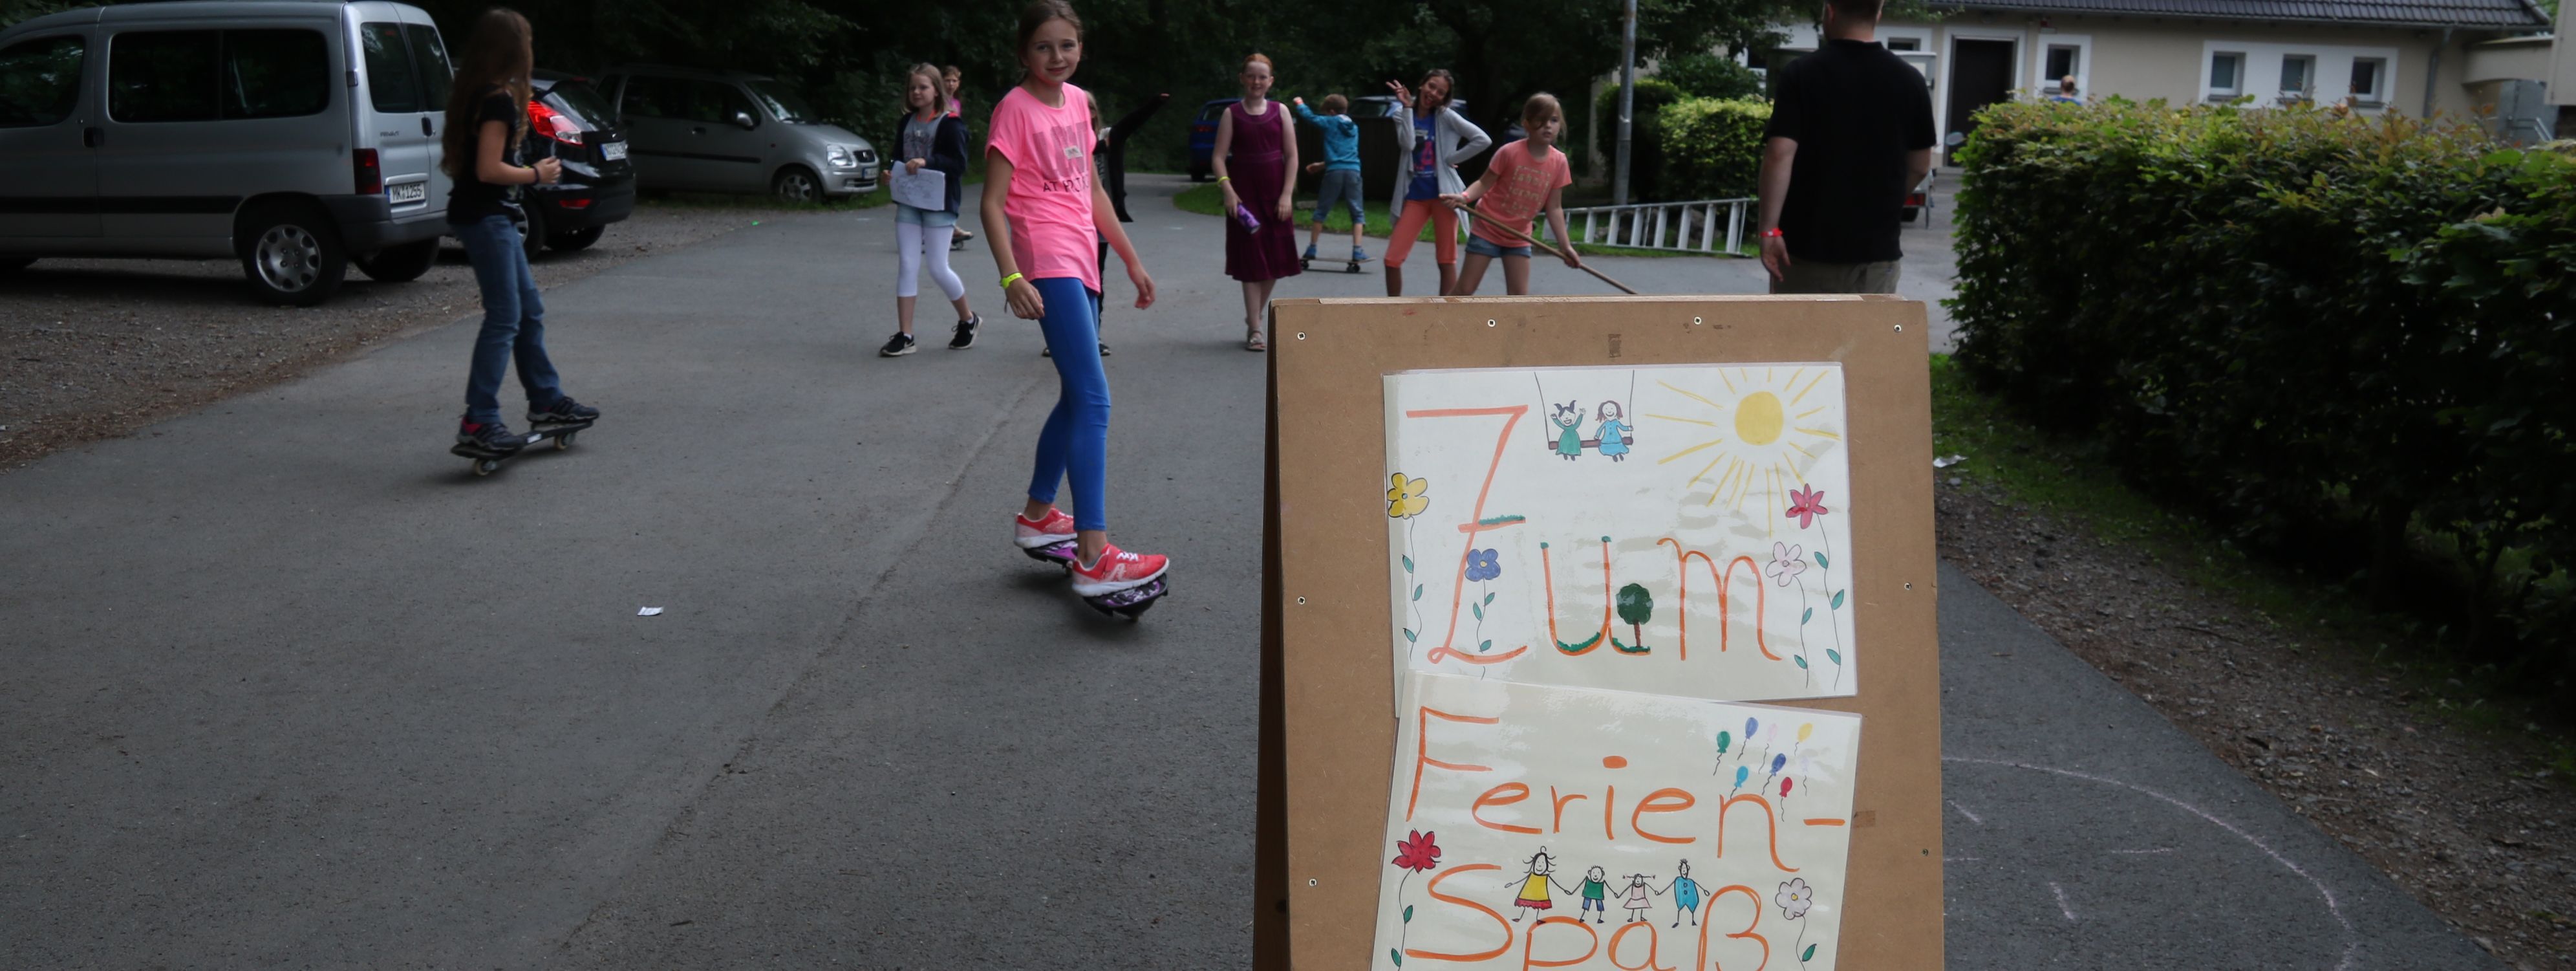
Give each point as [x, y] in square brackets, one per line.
[1947, 461]
[648, 611]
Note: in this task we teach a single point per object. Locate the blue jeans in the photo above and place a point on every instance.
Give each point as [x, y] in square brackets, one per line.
[1480, 246]
[514, 325]
[1075, 442]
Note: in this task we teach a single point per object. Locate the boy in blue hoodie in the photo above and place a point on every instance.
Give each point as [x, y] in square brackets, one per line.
[1341, 165]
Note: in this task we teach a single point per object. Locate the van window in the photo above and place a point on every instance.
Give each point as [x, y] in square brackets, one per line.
[39, 81]
[391, 86]
[163, 76]
[716, 102]
[429, 57]
[275, 73]
[651, 97]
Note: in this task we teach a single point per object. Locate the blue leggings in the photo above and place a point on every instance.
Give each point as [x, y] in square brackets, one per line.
[1075, 441]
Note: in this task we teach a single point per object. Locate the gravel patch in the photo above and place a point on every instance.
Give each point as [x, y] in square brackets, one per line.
[94, 349]
[2466, 821]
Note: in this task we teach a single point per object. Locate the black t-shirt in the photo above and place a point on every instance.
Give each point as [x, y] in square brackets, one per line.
[471, 199]
[1855, 110]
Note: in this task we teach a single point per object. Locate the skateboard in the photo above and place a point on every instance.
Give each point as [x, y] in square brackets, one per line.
[487, 461]
[1131, 603]
[1351, 265]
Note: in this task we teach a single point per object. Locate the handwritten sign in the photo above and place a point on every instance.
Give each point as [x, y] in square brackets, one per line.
[1534, 826]
[1681, 530]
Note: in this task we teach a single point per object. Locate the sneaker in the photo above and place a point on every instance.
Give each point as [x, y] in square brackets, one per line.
[1310, 251]
[1117, 570]
[1104, 348]
[564, 411]
[1032, 534]
[490, 436]
[898, 346]
[1359, 255]
[965, 334]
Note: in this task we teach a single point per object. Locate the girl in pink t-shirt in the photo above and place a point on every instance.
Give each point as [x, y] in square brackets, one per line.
[1044, 212]
[1525, 177]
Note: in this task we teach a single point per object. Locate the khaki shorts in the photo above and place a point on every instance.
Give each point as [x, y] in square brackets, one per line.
[1809, 276]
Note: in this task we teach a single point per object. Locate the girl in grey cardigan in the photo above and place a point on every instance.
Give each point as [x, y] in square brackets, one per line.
[1434, 138]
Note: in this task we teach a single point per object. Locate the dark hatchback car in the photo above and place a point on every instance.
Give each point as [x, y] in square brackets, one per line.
[568, 120]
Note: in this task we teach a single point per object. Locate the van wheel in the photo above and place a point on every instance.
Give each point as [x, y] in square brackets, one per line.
[796, 184]
[399, 264]
[13, 264]
[578, 239]
[531, 224]
[292, 254]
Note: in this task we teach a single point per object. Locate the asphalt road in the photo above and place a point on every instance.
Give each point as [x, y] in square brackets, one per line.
[286, 687]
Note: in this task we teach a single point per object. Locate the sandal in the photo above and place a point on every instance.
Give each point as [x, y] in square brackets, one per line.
[1252, 341]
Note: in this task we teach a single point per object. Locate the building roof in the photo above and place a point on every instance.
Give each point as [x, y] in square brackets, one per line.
[2475, 14]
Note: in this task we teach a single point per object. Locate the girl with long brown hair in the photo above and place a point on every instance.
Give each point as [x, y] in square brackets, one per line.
[487, 127]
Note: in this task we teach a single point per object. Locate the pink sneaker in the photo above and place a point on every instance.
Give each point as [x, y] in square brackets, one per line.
[1039, 534]
[1117, 570]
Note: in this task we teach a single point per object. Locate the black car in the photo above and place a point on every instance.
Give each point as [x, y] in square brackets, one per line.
[568, 120]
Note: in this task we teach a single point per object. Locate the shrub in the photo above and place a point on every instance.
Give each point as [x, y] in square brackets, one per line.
[1645, 133]
[1710, 76]
[1712, 148]
[2347, 337]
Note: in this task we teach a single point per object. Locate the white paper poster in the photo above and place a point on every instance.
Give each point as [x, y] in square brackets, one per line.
[926, 189]
[1679, 530]
[1534, 826]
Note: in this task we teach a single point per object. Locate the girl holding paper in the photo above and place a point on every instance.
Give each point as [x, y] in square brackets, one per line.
[934, 142]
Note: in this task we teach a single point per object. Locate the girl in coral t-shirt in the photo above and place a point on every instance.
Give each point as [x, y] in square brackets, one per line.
[1044, 212]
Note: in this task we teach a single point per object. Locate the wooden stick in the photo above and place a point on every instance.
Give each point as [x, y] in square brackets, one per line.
[1560, 254]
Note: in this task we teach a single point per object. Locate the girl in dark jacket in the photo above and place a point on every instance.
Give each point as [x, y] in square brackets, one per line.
[930, 138]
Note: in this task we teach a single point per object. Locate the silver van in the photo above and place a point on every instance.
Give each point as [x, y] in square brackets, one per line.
[298, 136]
[726, 131]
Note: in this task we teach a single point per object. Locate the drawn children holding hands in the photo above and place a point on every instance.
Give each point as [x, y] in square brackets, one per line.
[1634, 897]
[1596, 887]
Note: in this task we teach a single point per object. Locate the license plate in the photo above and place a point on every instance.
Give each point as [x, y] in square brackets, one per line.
[407, 192]
[613, 151]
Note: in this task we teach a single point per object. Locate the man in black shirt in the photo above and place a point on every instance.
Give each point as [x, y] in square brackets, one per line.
[1850, 135]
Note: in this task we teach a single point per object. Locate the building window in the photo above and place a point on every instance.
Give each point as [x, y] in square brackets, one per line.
[2225, 74]
[1905, 43]
[2368, 76]
[2298, 73]
[2064, 61]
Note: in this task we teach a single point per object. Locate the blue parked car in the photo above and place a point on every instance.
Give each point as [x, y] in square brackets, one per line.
[1203, 138]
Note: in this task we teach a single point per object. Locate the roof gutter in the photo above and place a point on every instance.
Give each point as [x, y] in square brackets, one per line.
[2433, 69]
[2157, 15]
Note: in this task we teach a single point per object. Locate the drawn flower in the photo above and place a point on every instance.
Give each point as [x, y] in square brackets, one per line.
[1418, 853]
[1407, 498]
[1787, 562]
[1794, 898]
[1483, 565]
[1805, 505]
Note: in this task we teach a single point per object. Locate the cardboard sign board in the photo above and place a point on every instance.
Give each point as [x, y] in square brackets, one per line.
[1611, 754]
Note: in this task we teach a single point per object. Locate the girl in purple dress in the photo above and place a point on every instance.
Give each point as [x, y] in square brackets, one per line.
[1256, 152]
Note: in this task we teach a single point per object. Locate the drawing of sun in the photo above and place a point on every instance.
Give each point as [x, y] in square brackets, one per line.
[1763, 432]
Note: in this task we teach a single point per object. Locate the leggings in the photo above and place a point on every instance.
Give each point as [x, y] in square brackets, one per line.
[912, 241]
[1075, 442]
[1408, 224]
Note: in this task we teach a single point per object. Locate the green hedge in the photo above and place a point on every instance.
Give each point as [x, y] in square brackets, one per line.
[2351, 338]
[1712, 148]
[1645, 133]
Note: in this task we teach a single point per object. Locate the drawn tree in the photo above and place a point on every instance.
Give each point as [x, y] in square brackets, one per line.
[1636, 607]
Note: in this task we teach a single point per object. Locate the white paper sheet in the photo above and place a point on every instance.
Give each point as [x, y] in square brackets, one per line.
[1678, 530]
[926, 189]
[1514, 807]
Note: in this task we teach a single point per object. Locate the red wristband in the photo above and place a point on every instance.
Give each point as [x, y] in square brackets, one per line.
[1772, 233]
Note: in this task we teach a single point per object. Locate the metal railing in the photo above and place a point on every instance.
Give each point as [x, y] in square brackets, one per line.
[2517, 130]
[1702, 226]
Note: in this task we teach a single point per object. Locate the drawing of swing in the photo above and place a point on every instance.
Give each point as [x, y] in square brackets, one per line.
[1612, 436]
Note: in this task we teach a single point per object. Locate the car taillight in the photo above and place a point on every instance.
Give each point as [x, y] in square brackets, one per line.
[552, 124]
[371, 173]
[574, 203]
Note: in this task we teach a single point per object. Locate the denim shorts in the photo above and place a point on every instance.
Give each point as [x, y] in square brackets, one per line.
[1338, 186]
[927, 218]
[1480, 246]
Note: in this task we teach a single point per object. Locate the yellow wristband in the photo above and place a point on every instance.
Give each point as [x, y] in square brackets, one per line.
[1008, 280]
[1222, 179]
